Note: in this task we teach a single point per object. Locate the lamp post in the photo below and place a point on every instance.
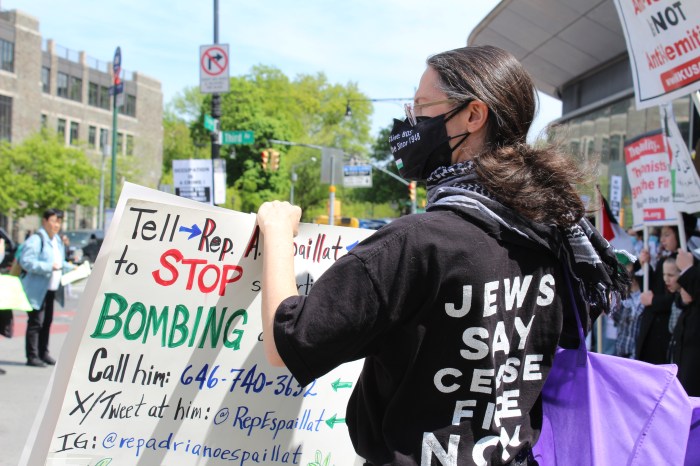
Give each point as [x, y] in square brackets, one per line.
[101, 210]
[294, 177]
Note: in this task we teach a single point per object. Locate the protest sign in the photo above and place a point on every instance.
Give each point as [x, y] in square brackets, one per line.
[165, 364]
[686, 184]
[663, 43]
[12, 294]
[78, 273]
[649, 175]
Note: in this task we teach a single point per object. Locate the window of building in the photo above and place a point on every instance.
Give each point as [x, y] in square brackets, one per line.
[120, 142]
[93, 94]
[69, 87]
[74, 130]
[61, 128]
[129, 107]
[5, 118]
[98, 96]
[92, 137]
[44, 120]
[7, 55]
[62, 84]
[104, 137]
[75, 89]
[46, 79]
[129, 144]
[104, 97]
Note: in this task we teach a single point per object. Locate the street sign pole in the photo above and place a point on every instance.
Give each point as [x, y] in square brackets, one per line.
[215, 107]
[116, 68]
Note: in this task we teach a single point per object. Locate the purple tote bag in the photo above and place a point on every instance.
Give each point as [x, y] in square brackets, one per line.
[603, 410]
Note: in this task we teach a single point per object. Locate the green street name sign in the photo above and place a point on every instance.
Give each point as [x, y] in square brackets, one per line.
[209, 122]
[237, 137]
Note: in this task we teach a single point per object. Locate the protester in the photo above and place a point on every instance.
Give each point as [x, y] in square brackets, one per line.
[43, 261]
[654, 336]
[5, 314]
[685, 350]
[457, 311]
[627, 318]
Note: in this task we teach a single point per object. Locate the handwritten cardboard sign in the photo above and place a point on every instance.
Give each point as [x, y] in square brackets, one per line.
[648, 171]
[165, 362]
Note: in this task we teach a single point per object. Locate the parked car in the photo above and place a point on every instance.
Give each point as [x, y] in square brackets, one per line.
[84, 245]
[374, 223]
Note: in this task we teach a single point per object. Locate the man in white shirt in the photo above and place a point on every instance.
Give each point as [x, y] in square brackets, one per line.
[43, 261]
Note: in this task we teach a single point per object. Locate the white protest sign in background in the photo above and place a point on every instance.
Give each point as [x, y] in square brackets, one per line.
[649, 175]
[192, 179]
[663, 43]
[165, 362]
[686, 184]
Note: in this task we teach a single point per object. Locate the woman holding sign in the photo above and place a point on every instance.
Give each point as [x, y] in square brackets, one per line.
[457, 311]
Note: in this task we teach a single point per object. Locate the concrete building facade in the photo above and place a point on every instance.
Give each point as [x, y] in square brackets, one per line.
[45, 85]
[575, 51]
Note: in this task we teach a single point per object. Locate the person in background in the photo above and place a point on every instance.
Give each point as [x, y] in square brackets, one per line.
[9, 248]
[447, 307]
[66, 243]
[685, 349]
[5, 314]
[654, 337]
[627, 318]
[43, 261]
[637, 239]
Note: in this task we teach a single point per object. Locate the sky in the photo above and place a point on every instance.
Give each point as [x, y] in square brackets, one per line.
[381, 45]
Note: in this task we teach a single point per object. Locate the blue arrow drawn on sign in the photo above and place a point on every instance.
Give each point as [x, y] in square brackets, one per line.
[194, 231]
[348, 247]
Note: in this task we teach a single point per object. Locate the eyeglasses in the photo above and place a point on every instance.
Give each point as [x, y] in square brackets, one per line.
[410, 109]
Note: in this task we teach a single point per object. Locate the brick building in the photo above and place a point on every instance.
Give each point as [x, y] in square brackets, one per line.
[44, 84]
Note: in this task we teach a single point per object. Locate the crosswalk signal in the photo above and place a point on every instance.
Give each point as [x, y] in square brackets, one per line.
[412, 191]
[265, 157]
[274, 159]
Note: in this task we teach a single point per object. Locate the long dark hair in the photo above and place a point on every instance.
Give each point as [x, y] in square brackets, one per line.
[538, 182]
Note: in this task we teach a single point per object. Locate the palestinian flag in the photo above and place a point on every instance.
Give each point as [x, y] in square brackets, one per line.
[618, 238]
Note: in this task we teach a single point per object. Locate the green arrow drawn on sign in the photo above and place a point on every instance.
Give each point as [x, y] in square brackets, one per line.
[338, 384]
[333, 421]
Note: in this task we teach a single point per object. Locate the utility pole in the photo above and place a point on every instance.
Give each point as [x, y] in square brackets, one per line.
[215, 112]
[116, 68]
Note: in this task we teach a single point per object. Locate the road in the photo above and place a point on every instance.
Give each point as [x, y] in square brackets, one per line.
[23, 387]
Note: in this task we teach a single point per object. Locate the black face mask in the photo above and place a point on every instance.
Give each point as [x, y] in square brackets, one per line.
[420, 149]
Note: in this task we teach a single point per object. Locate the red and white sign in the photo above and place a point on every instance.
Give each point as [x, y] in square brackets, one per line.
[649, 174]
[214, 69]
[686, 183]
[663, 42]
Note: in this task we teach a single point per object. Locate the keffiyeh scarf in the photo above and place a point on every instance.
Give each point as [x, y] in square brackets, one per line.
[590, 257]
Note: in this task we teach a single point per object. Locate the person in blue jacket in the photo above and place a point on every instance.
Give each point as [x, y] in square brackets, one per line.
[43, 262]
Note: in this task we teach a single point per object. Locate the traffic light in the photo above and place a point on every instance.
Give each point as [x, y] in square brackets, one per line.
[265, 157]
[274, 159]
[412, 191]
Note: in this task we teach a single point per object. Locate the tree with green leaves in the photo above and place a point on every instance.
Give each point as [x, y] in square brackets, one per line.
[304, 110]
[385, 188]
[41, 172]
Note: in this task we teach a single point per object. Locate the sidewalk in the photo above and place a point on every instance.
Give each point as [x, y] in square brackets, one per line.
[22, 388]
